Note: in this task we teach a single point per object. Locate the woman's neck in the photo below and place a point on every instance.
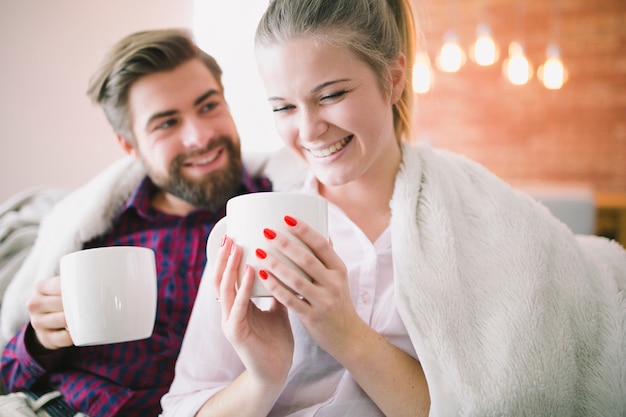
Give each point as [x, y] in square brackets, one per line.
[366, 200]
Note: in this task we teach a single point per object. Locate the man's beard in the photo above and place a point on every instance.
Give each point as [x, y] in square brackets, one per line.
[211, 191]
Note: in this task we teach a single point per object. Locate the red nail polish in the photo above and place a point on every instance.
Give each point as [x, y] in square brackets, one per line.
[260, 253]
[223, 241]
[290, 221]
[262, 274]
[269, 233]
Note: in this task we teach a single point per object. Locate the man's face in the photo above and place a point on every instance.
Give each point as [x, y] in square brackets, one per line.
[186, 136]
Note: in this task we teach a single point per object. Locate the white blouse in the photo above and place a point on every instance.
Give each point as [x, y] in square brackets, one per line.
[317, 384]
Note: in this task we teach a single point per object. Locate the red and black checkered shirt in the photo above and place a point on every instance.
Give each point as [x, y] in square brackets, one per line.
[130, 378]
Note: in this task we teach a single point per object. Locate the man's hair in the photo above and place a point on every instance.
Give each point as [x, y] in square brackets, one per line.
[134, 57]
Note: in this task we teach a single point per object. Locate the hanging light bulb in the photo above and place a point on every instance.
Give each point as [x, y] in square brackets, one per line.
[451, 57]
[552, 73]
[484, 51]
[517, 69]
[422, 73]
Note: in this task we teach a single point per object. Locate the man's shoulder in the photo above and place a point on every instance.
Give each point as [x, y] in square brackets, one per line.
[99, 198]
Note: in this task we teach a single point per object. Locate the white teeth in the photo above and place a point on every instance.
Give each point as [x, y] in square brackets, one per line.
[334, 148]
[206, 160]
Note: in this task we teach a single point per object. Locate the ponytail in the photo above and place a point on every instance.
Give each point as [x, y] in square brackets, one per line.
[403, 109]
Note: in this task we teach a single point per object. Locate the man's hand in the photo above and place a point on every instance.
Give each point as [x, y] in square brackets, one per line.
[47, 316]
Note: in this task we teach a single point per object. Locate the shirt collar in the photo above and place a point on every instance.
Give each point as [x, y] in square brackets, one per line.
[140, 198]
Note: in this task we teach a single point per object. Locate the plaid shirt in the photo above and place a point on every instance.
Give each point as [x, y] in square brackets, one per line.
[130, 378]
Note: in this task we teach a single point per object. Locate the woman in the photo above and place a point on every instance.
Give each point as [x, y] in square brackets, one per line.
[442, 291]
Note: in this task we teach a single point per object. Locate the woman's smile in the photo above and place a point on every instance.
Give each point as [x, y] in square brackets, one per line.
[332, 149]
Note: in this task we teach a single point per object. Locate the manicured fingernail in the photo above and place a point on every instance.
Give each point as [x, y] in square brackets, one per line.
[262, 274]
[260, 253]
[223, 242]
[269, 233]
[290, 221]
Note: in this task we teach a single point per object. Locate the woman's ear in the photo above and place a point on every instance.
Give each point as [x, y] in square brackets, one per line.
[127, 147]
[398, 77]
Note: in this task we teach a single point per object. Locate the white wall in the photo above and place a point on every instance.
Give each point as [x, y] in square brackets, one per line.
[50, 133]
[226, 30]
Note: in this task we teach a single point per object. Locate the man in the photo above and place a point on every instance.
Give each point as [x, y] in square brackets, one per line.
[165, 101]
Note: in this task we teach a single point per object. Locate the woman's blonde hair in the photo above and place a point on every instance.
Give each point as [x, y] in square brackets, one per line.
[376, 31]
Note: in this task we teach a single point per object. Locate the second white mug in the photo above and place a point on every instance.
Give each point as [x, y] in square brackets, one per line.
[109, 294]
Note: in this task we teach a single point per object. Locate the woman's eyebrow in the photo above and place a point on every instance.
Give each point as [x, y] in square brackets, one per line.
[326, 84]
[315, 89]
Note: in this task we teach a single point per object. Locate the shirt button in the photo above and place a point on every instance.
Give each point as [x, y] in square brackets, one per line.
[365, 297]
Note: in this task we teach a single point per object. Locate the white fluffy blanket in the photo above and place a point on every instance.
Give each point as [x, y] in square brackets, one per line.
[510, 313]
[20, 217]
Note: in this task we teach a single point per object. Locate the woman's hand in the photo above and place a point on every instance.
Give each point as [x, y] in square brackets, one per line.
[323, 304]
[390, 377]
[262, 339]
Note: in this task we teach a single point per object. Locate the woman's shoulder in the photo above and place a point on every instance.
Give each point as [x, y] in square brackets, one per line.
[440, 157]
[446, 166]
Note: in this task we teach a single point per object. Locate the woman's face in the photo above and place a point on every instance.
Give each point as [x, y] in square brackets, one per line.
[329, 108]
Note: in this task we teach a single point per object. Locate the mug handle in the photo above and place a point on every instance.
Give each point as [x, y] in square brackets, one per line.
[214, 240]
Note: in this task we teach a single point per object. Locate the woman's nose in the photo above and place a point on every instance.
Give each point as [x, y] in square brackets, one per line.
[311, 126]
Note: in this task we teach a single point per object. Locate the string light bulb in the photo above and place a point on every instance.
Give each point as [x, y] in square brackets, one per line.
[484, 51]
[552, 73]
[451, 57]
[517, 69]
[422, 73]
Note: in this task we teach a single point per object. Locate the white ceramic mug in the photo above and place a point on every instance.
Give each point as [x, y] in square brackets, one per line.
[109, 294]
[246, 217]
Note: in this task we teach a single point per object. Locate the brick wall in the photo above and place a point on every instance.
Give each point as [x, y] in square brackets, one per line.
[530, 133]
